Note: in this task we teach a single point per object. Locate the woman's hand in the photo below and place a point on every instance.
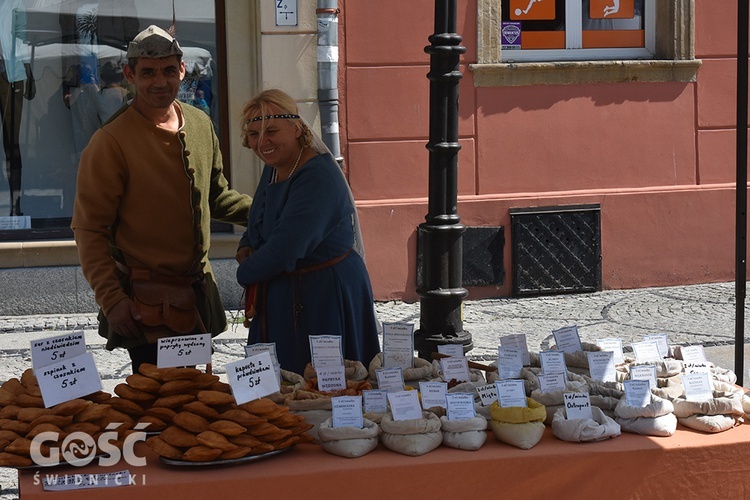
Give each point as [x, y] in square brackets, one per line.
[243, 253]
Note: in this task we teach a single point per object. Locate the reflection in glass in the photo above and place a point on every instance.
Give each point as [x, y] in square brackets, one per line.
[76, 49]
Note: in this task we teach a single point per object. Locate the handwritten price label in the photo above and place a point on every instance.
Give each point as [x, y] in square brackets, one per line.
[185, 350]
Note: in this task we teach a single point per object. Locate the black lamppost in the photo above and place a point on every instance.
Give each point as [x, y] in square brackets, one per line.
[441, 289]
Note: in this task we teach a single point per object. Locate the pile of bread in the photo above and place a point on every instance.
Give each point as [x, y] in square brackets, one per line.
[23, 416]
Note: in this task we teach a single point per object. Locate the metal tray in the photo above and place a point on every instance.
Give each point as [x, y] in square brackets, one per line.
[219, 463]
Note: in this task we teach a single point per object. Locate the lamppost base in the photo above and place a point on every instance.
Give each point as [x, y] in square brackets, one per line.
[425, 345]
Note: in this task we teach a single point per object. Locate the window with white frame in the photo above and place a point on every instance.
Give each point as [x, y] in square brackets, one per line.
[569, 30]
[542, 42]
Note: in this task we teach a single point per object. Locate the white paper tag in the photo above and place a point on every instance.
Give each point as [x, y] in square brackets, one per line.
[452, 350]
[697, 387]
[511, 393]
[54, 349]
[644, 372]
[326, 350]
[553, 362]
[252, 378]
[269, 347]
[375, 400]
[331, 378]
[637, 392]
[602, 366]
[455, 369]
[567, 339]
[460, 406]
[184, 350]
[433, 394]
[405, 405]
[390, 379]
[347, 411]
[69, 379]
[697, 368]
[517, 340]
[398, 345]
[577, 405]
[552, 382]
[693, 354]
[646, 351]
[662, 342]
[614, 345]
[487, 394]
[509, 362]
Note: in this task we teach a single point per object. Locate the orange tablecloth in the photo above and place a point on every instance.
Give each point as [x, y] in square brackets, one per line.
[688, 464]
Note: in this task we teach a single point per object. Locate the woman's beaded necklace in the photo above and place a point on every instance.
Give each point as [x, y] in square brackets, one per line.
[274, 177]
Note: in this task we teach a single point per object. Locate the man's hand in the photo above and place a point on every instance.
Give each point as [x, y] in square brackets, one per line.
[122, 319]
[243, 253]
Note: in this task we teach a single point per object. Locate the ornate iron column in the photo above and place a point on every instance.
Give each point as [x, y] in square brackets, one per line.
[441, 291]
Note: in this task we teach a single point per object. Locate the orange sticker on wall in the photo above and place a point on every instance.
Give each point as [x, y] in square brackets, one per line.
[537, 10]
[612, 9]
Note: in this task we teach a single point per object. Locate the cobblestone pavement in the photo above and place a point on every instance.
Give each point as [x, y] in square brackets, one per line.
[696, 314]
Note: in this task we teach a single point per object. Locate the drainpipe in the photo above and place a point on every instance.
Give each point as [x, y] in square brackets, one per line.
[328, 58]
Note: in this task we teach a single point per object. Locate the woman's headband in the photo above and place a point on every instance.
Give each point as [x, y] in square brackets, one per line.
[268, 117]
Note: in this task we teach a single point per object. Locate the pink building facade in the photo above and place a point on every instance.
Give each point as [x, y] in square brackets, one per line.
[653, 145]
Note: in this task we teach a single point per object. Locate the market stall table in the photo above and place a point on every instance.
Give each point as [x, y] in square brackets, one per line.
[688, 464]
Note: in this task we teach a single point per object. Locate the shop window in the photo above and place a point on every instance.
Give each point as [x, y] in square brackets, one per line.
[527, 42]
[73, 51]
[562, 30]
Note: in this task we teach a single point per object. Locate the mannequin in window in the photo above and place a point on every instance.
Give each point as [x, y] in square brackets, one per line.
[16, 83]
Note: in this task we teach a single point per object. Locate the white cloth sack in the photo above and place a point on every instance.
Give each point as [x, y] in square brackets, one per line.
[579, 430]
[412, 437]
[348, 442]
[469, 434]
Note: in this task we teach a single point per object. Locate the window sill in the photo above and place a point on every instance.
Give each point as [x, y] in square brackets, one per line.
[566, 73]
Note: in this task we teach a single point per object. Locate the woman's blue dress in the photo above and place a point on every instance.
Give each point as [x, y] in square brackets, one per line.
[302, 222]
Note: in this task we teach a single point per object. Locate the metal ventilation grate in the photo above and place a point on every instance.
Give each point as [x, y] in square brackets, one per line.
[556, 249]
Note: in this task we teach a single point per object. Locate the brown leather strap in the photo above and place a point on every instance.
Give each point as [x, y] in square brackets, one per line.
[322, 265]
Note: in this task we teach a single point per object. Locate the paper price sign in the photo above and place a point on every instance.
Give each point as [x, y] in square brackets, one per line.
[662, 343]
[331, 378]
[375, 400]
[552, 382]
[51, 350]
[185, 350]
[644, 372]
[347, 411]
[487, 394]
[390, 379]
[567, 339]
[602, 366]
[511, 393]
[517, 340]
[697, 387]
[455, 369]
[646, 351]
[614, 345]
[553, 362]
[398, 345]
[253, 349]
[637, 392]
[693, 354]
[326, 350]
[460, 406]
[577, 405]
[433, 394]
[405, 405]
[452, 350]
[252, 378]
[69, 379]
[509, 362]
[697, 368]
